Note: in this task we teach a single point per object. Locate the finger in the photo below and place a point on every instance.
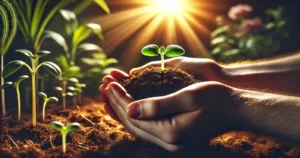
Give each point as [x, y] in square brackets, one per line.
[131, 128]
[103, 98]
[118, 74]
[108, 79]
[169, 62]
[111, 112]
[153, 108]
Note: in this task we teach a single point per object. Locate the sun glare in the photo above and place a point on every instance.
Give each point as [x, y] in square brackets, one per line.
[169, 6]
[161, 22]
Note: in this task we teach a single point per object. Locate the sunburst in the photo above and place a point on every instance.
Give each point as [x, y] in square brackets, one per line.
[160, 22]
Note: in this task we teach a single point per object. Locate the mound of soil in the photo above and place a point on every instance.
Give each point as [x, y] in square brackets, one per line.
[152, 82]
[101, 136]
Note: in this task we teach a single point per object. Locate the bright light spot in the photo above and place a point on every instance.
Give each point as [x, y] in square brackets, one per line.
[169, 6]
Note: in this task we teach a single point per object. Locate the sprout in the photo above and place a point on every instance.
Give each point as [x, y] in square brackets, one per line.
[64, 130]
[74, 93]
[15, 65]
[46, 100]
[171, 51]
[16, 85]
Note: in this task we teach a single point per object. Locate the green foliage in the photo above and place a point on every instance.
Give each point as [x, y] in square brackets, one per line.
[171, 51]
[34, 16]
[13, 66]
[64, 130]
[71, 41]
[86, 3]
[232, 44]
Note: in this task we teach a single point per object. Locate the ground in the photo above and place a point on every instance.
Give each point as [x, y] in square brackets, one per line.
[103, 137]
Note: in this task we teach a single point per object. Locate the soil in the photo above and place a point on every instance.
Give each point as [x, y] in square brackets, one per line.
[101, 136]
[152, 82]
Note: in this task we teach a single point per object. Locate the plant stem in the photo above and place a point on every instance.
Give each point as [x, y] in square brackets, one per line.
[2, 90]
[33, 85]
[19, 102]
[162, 55]
[64, 94]
[64, 142]
[75, 100]
[44, 109]
[79, 98]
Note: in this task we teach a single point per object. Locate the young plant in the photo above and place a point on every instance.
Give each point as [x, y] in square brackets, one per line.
[15, 65]
[83, 5]
[8, 27]
[16, 86]
[171, 51]
[64, 130]
[77, 88]
[46, 100]
[74, 94]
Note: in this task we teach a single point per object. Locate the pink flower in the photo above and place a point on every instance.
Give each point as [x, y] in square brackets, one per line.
[239, 11]
[253, 25]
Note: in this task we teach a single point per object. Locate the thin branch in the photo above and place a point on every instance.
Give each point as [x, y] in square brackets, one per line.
[13, 141]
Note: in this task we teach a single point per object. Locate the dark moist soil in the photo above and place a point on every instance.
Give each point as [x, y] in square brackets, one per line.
[100, 136]
[152, 82]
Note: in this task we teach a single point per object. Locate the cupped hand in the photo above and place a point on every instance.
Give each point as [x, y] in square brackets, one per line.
[190, 116]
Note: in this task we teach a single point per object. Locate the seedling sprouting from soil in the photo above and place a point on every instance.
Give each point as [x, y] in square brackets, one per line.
[46, 100]
[8, 28]
[64, 130]
[15, 65]
[171, 51]
[74, 93]
[16, 86]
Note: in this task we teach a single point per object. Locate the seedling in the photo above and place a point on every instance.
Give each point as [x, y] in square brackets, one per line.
[8, 28]
[15, 65]
[64, 130]
[171, 51]
[16, 86]
[46, 100]
[77, 88]
[74, 94]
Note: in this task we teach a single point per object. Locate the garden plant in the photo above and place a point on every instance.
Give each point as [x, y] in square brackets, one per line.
[15, 65]
[16, 85]
[64, 130]
[46, 100]
[8, 27]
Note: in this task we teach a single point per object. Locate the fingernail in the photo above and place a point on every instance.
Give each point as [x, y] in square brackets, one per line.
[134, 111]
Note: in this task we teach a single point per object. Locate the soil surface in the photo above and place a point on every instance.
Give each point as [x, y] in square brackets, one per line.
[152, 82]
[100, 136]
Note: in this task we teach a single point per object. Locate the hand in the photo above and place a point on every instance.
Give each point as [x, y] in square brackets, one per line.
[207, 69]
[189, 116]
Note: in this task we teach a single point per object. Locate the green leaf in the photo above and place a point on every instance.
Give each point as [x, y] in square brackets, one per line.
[58, 88]
[56, 125]
[12, 67]
[69, 94]
[106, 71]
[43, 95]
[57, 38]
[103, 5]
[21, 78]
[72, 89]
[7, 84]
[174, 51]
[74, 80]
[80, 85]
[231, 53]
[84, 31]
[52, 68]
[220, 30]
[99, 56]
[42, 53]
[216, 51]
[218, 40]
[89, 61]
[150, 50]
[71, 18]
[86, 47]
[73, 71]
[110, 61]
[53, 99]
[25, 52]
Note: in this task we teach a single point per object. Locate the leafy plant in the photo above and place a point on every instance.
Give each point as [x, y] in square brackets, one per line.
[84, 4]
[171, 51]
[249, 38]
[46, 100]
[71, 40]
[97, 66]
[8, 27]
[16, 86]
[15, 65]
[74, 93]
[64, 130]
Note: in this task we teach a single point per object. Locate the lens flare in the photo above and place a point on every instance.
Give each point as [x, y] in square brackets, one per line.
[161, 22]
